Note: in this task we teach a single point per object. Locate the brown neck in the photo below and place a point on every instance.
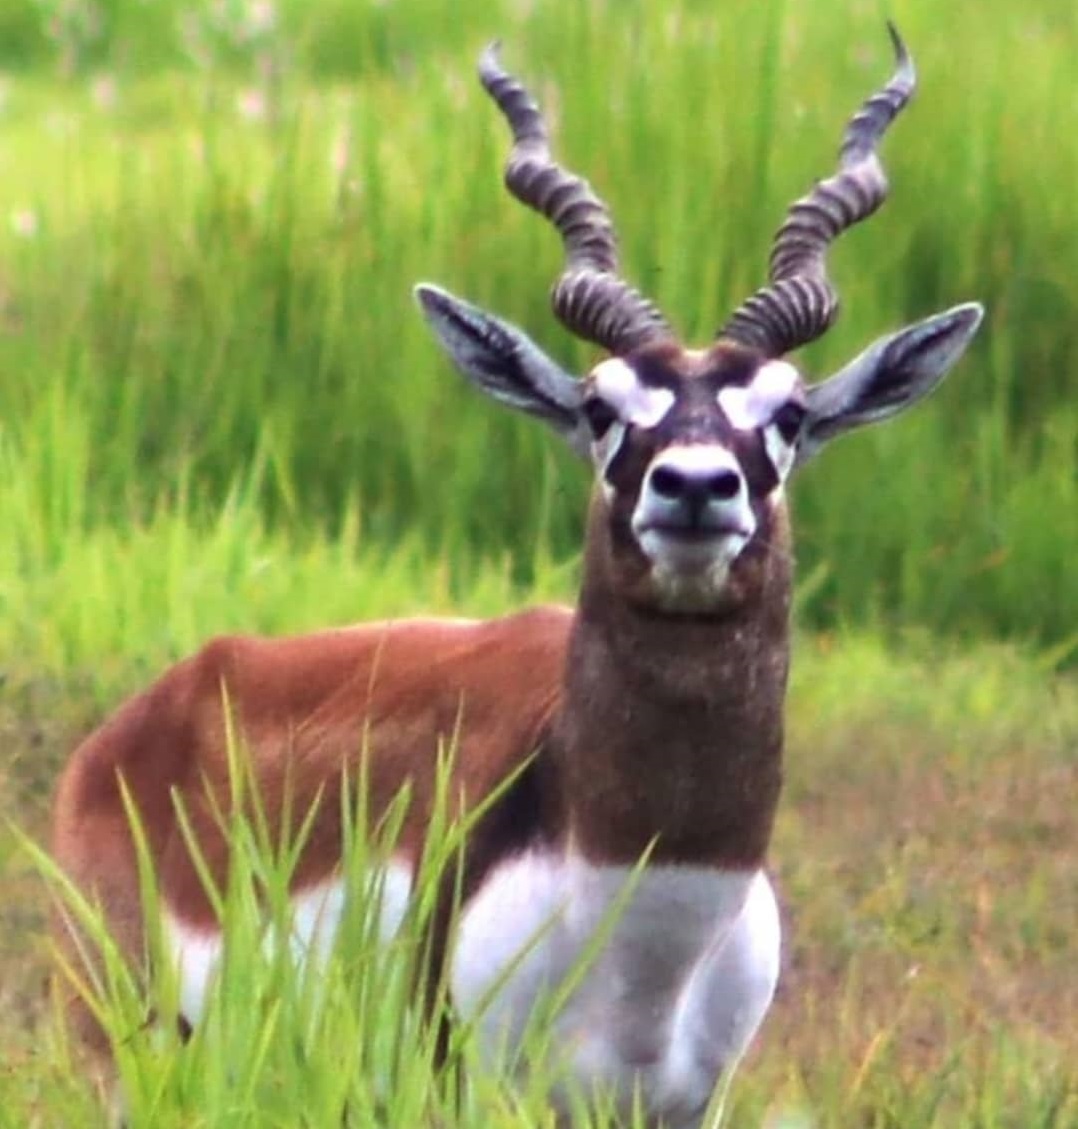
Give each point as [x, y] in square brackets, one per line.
[672, 726]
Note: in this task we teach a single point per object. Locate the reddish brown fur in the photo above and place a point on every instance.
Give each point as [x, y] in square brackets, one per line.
[306, 706]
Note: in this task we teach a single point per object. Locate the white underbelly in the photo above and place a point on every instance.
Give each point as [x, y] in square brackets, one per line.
[678, 968]
[683, 964]
[316, 917]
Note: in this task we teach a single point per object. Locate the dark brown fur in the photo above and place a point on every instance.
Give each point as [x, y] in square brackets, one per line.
[672, 728]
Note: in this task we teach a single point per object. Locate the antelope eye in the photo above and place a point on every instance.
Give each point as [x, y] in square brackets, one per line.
[600, 416]
[788, 420]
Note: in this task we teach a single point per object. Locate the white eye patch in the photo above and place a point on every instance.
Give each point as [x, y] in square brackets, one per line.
[604, 452]
[634, 401]
[755, 405]
[779, 452]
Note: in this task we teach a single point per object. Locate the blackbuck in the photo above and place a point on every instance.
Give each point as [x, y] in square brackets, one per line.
[645, 721]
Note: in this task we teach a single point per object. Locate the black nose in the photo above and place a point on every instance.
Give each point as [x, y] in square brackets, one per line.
[693, 488]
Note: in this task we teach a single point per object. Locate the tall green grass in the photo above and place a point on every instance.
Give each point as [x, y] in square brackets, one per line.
[220, 411]
[205, 273]
[319, 1031]
[928, 942]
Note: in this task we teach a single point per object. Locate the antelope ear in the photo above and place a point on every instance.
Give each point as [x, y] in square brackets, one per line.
[506, 364]
[890, 375]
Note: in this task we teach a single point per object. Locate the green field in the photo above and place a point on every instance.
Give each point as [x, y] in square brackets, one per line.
[220, 410]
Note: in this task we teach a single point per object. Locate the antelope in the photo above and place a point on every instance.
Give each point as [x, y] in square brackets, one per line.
[647, 720]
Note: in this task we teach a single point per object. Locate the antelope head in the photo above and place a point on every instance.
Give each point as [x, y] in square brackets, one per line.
[692, 447]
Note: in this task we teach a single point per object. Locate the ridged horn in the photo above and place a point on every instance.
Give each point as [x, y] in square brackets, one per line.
[800, 302]
[589, 298]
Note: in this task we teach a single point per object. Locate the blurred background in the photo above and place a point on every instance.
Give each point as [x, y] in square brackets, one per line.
[211, 216]
[219, 409]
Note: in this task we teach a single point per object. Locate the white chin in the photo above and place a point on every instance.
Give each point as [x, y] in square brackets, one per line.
[693, 559]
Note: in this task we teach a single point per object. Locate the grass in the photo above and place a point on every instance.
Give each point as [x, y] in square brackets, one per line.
[222, 254]
[219, 411]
